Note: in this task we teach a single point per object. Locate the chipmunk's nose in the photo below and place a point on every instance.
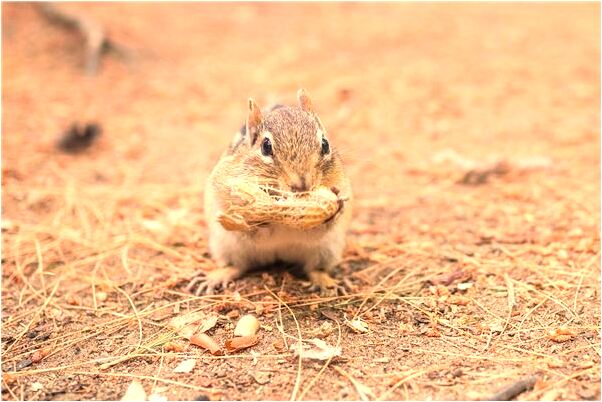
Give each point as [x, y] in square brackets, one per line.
[299, 185]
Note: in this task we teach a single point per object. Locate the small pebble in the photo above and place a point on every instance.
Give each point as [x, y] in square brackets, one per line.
[23, 363]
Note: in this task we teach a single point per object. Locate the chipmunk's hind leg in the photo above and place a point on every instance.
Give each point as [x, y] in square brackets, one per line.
[209, 282]
[319, 269]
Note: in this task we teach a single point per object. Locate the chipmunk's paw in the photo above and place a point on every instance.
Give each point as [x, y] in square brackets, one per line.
[327, 285]
[209, 282]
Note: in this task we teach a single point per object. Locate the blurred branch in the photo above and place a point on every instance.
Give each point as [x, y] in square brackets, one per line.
[96, 40]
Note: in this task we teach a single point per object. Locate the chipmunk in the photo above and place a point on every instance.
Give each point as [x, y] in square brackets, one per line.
[289, 149]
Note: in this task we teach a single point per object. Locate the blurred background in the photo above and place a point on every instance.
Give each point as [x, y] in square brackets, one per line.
[394, 83]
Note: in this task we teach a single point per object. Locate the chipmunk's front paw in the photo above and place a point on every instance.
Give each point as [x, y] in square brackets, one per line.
[208, 282]
[326, 284]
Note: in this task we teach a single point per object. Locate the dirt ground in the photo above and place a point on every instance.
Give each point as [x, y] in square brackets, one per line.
[471, 134]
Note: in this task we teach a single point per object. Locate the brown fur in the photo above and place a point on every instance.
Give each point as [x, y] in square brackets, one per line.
[296, 152]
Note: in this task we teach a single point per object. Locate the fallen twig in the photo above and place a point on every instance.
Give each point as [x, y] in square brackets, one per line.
[513, 390]
[96, 40]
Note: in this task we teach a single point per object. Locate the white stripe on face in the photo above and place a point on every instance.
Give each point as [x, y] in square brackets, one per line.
[320, 135]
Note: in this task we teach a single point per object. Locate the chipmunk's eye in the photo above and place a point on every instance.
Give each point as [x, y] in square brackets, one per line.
[266, 147]
[325, 146]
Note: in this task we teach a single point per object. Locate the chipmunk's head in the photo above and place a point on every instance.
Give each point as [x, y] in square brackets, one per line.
[288, 146]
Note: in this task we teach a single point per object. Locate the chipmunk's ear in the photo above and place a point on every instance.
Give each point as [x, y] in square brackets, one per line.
[304, 101]
[254, 120]
[306, 105]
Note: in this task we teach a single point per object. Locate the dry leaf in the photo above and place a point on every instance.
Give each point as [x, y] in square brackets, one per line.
[279, 345]
[183, 320]
[242, 342]
[325, 329]
[320, 350]
[561, 334]
[193, 323]
[248, 325]
[186, 366]
[208, 323]
[206, 342]
[358, 325]
[39, 354]
[174, 347]
[135, 392]
[464, 285]
[187, 332]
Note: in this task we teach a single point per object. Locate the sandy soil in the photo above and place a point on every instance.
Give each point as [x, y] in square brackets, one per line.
[471, 134]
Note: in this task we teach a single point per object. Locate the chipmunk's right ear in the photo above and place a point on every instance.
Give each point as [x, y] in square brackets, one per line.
[254, 120]
[304, 101]
[306, 105]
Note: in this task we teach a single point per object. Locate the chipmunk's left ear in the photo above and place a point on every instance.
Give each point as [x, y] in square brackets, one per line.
[304, 101]
[254, 120]
[306, 105]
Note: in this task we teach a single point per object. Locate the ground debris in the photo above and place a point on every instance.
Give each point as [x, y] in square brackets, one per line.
[78, 138]
[561, 334]
[247, 325]
[325, 329]
[206, 342]
[319, 350]
[186, 366]
[358, 325]
[242, 342]
[512, 391]
[134, 392]
[40, 354]
[174, 347]
[96, 41]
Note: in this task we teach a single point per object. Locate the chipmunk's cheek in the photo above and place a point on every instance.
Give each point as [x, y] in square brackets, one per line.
[318, 180]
